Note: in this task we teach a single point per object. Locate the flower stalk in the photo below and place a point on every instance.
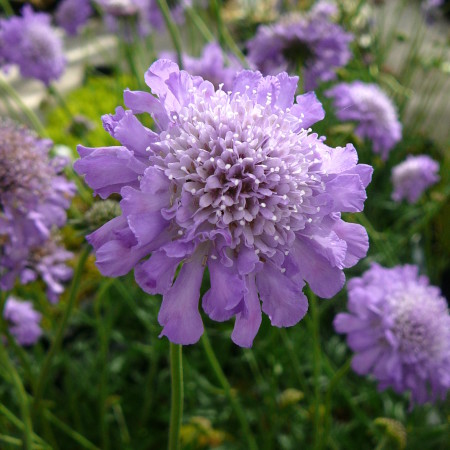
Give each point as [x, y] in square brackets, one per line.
[176, 408]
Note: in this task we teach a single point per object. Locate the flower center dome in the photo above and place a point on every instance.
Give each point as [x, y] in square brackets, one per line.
[242, 166]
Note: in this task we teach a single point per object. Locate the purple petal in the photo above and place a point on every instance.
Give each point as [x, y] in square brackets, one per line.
[323, 279]
[357, 241]
[155, 275]
[227, 290]
[248, 320]
[282, 299]
[179, 310]
[348, 193]
[309, 109]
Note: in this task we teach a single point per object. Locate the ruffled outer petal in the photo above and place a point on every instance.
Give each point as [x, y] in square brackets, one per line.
[249, 319]
[308, 109]
[323, 279]
[108, 169]
[282, 299]
[179, 313]
[227, 290]
[155, 275]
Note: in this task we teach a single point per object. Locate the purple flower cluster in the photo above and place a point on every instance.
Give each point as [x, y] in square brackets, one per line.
[73, 14]
[24, 321]
[31, 43]
[34, 196]
[374, 111]
[233, 181]
[411, 177]
[310, 41]
[211, 65]
[399, 328]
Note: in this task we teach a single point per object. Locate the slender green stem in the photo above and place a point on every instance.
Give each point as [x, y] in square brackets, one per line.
[77, 437]
[200, 24]
[225, 37]
[251, 443]
[44, 374]
[314, 323]
[176, 408]
[22, 398]
[331, 387]
[4, 411]
[60, 99]
[31, 116]
[173, 30]
[7, 7]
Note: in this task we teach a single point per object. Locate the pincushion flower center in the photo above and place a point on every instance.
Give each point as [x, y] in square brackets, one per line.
[241, 165]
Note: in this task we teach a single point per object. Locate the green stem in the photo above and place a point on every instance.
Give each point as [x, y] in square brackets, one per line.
[4, 411]
[173, 30]
[34, 120]
[77, 437]
[225, 36]
[176, 409]
[331, 387]
[44, 374]
[200, 25]
[7, 7]
[227, 388]
[22, 397]
[314, 324]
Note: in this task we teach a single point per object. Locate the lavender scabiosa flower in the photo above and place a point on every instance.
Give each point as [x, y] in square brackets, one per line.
[34, 196]
[73, 14]
[31, 43]
[411, 177]
[211, 65]
[310, 41]
[234, 181]
[399, 328]
[374, 111]
[24, 321]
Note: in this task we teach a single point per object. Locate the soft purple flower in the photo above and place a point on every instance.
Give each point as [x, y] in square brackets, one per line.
[31, 43]
[34, 196]
[374, 111]
[73, 14]
[399, 328]
[211, 66]
[411, 177]
[233, 181]
[431, 9]
[24, 321]
[310, 41]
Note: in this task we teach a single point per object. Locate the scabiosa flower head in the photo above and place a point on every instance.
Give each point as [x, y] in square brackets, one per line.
[34, 196]
[234, 181]
[73, 14]
[24, 321]
[374, 111]
[411, 177]
[211, 65]
[31, 43]
[309, 40]
[399, 328]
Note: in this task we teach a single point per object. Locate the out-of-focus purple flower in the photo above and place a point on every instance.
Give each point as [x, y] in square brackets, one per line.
[24, 321]
[211, 65]
[73, 14]
[374, 111]
[411, 177]
[310, 41]
[399, 328]
[34, 196]
[234, 181]
[431, 9]
[31, 43]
